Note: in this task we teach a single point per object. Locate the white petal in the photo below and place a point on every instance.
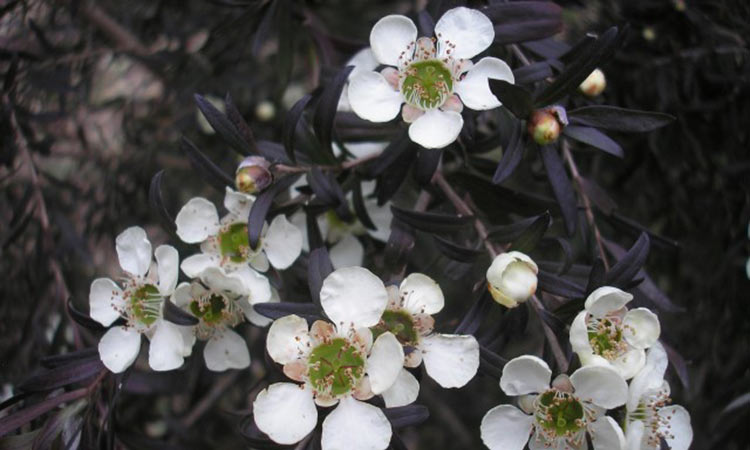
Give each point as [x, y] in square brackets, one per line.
[347, 252]
[188, 339]
[606, 299]
[606, 434]
[257, 319]
[167, 261]
[679, 431]
[525, 375]
[363, 60]
[216, 279]
[197, 220]
[634, 435]
[194, 265]
[105, 297]
[364, 149]
[642, 328]
[404, 390]
[436, 129]
[287, 338]
[600, 385]
[257, 286]
[506, 427]
[182, 295]
[381, 217]
[373, 98]
[421, 294]
[282, 242]
[353, 296]
[630, 363]
[166, 348]
[474, 89]
[119, 348]
[226, 350]
[286, 412]
[650, 377]
[238, 203]
[355, 425]
[468, 29]
[450, 359]
[385, 362]
[391, 37]
[579, 335]
[260, 262]
[134, 251]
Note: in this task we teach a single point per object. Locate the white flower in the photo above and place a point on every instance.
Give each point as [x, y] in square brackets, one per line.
[607, 333]
[450, 359]
[511, 278]
[433, 76]
[225, 243]
[594, 84]
[220, 301]
[649, 416]
[336, 363]
[557, 416]
[140, 302]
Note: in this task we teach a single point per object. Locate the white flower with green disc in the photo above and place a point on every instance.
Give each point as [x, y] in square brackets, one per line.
[335, 363]
[225, 242]
[139, 302]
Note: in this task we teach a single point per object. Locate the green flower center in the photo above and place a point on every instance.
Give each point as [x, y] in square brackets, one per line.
[145, 304]
[400, 324]
[210, 311]
[234, 244]
[335, 367]
[559, 413]
[427, 84]
[606, 338]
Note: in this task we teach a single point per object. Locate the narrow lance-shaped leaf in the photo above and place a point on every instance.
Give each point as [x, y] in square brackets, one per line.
[456, 252]
[431, 222]
[240, 125]
[619, 119]
[291, 121]
[262, 204]
[531, 236]
[512, 155]
[157, 204]
[308, 311]
[408, 415]
[559, 286]
[63, 375]
[478, 311]
[173, 313]
[561, 187]
[515, 98]
[359, 206]
[428, 161]
[325, 111]
[222, 125]
[524, 20]
[532, 73]
[628, 266]
[202, 164]
[319, 266]
[594, 138]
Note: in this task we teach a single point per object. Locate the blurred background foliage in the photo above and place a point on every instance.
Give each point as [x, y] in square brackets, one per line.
[96, 97]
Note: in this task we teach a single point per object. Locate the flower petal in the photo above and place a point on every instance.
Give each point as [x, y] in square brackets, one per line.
[373, 98]
[119, 348]
[391, 37]
[634, 435]
[197, 220]
[474, 88]
[678, 431]
[579, 335]
[216, 279]
[470, 31]
[642, 328]
[606, 434]
[355, 425]
[403, 391]
[385, 362]
[282, 242]
[105, 298]
[134, 251]
[166, 349]
[347, 252]
[238, 204]
[650, 377]
[257, 319]
[606, 299]
[381, 217]
[353, 296]
[630, 363]
[226, 350]
[525, 375]
[421, 294]
[286, 412]
[287, 339]
[506, 427]
[192, 266]
[436, 129]
[601, 385]
[167, 261]
[450, 359]
[257, 286]
[259, 262]
[182, 295]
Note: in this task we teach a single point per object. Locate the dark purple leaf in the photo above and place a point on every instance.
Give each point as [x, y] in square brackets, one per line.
[527, 241]
[52, 361]
[598, 196]
[313, 230]
[83, 319]
[532, 73]
[478, 311]
[561, 187]
[490, 363]
[531, 30]
[291, 121]
[678, 364]
[456, 252]
[516, 99]
[19, 418]
[55, 424]
[619, 119]
[509, 233]
[431, 222]
[596, 276]
[174, 314]
[256, 438]
[512, 155]
[565, 248]
[202, 164]
[409, 415]
[559, 286]
[318, 268]
[156, 201]
[222, 125]
[72, 372]
[391, 154]
[257, 217]
[325, 110]
[329, 192]
[394, 175]
[548, 48]
[244, 130]
[524, 20]
[308, 311]
[359, 206]
[594, 138]
[399, 245]
[428, 160]
[630, 264]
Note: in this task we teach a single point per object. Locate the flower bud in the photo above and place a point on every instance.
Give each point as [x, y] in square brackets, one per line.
[594, 84]
[252, 175]
[544, 127]
[511, 279]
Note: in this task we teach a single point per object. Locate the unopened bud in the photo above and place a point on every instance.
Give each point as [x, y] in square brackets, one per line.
[512, 278]
[265, 111]
[544, 127]
[594, 84]
[252, 175]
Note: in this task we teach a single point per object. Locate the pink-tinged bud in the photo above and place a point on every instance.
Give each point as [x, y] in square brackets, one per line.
[252, 175]
[512, 278]
[544, 127]
[594, 84]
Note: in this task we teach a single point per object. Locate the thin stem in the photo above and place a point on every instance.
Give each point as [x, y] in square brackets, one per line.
[346, 165]
[209, 399]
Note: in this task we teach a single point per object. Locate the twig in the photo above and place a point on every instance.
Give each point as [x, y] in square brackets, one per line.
[557, 351]
[120, 35]
[346, 165]
[209, 399]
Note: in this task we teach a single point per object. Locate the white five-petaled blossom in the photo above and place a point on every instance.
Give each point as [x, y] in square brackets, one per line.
[221, 300]
[337, 364]
[556, 416]
[140, 302]
[450, 359]
[649, 416]
[225, 243]
[607, 333]
[434, 77]
[511, 278]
